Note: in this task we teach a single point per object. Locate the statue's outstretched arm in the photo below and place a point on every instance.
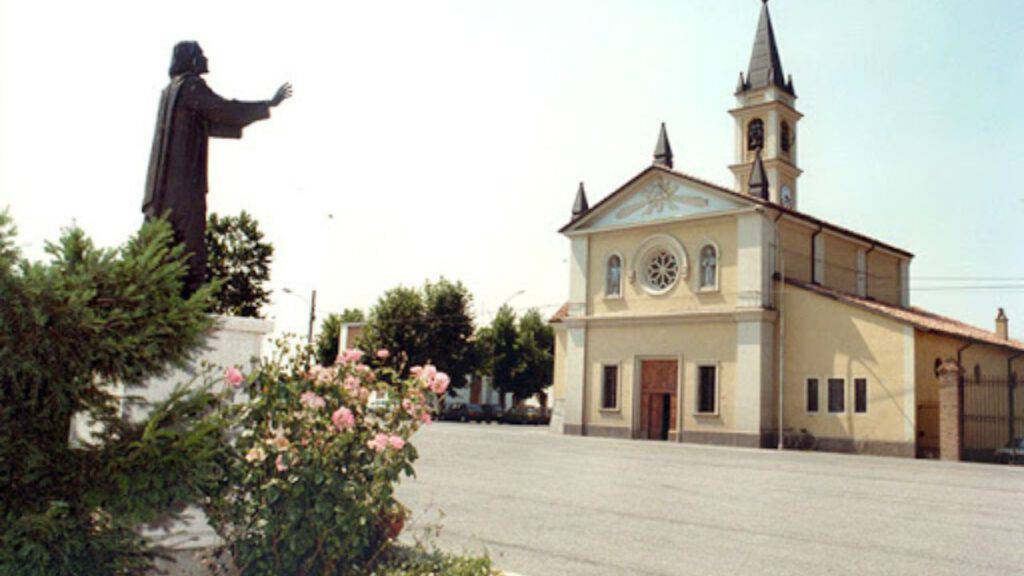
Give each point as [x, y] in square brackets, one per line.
[197, 96]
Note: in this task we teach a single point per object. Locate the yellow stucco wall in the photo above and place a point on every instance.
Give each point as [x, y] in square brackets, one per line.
[558, 384]
[796, 250]
[694, 343]
[840, 264]
[992, 363]
[884, 277]
[827, 339]
[684, 295]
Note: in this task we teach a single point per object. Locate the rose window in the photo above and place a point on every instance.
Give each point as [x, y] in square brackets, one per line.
[662, 270]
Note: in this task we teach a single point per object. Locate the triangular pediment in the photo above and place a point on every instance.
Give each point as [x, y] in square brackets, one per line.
[656, 196]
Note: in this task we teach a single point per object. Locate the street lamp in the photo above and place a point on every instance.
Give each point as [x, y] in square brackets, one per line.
[312, 310]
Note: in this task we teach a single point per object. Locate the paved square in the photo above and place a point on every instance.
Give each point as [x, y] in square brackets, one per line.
[547, 504]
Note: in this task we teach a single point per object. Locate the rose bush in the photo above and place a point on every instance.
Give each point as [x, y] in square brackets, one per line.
[318, 453]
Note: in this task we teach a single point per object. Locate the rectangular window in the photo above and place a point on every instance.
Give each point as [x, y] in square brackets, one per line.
[860, 395]
[836, 395]
[707, 392]
[610, 388]
[812, 395]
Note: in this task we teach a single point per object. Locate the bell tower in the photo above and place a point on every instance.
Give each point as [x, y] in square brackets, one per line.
[766, 123]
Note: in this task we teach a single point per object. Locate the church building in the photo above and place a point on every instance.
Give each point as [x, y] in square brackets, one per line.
[725, 315]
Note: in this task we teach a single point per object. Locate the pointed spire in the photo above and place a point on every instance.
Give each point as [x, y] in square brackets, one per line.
[663, 150]
[580, 205]
[765, 67]
[758, 183]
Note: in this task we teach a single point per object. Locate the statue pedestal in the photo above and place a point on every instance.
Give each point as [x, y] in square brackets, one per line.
[238, 342]
[235, 341]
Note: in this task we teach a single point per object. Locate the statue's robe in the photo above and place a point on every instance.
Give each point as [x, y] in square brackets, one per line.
[176, 183]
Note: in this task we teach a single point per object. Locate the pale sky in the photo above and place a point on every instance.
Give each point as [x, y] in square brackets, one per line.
[448, 138]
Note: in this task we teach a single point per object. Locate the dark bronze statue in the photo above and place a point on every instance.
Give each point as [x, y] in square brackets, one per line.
[190, 113]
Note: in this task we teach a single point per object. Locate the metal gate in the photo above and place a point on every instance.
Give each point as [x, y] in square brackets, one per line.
[992, 415]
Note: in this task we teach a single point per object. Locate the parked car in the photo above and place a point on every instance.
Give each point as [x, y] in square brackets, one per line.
[526, 415]
[491, 413]
[455, 412]
[1012, 453]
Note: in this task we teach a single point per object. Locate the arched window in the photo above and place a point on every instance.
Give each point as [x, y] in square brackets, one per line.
[708, 267]
[755, 134]
[613, 276]
[784, 137]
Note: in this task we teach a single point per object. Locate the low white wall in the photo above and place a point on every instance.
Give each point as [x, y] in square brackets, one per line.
[235, 342]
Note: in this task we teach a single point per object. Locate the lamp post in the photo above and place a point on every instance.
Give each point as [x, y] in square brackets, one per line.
[312, 310]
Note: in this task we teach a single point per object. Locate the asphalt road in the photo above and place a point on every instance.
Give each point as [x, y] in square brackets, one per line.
[545, 504]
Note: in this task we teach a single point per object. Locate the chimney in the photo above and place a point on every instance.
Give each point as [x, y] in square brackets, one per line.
[1002, 325]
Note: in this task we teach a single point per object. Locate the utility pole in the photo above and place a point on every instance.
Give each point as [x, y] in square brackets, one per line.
[312, 316]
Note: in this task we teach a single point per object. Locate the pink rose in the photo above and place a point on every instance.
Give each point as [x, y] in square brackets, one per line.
[343, 419]
[280, 463]
[234, 377]
[383, 353]
[396, 442]
[416, 371]
[351, 355]
[379, 442]
[312, 400]
[425, 418]
[440, 383]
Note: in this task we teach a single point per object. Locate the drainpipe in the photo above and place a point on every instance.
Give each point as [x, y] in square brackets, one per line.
[782, 325]
[814, 254]
[867, 269]
[1010, 385]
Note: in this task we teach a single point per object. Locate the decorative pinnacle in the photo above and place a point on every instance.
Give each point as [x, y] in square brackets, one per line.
[663, 150]
[580, 205]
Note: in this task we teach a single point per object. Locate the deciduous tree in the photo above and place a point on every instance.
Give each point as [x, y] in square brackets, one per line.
[240, 258]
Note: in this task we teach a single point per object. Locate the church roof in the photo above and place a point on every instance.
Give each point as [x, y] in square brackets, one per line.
[765, 68]
[577, 219]
[917, 317]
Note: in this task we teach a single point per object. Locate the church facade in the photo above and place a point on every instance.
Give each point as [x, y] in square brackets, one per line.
[701, 313]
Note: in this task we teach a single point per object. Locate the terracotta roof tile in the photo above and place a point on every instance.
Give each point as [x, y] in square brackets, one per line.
[560, 315]
[917, 317]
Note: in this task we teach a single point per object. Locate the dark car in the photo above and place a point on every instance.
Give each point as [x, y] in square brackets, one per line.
[460, 412]
[1012, 453]
[526, 415]
[491, 413]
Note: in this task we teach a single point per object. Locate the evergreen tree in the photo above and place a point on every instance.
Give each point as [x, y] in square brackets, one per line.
[72, 331]
[239, 257]
[330, 331]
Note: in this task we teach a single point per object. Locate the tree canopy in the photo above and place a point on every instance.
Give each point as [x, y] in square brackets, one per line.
[240, 258]
[519, 355]
[432, 324]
